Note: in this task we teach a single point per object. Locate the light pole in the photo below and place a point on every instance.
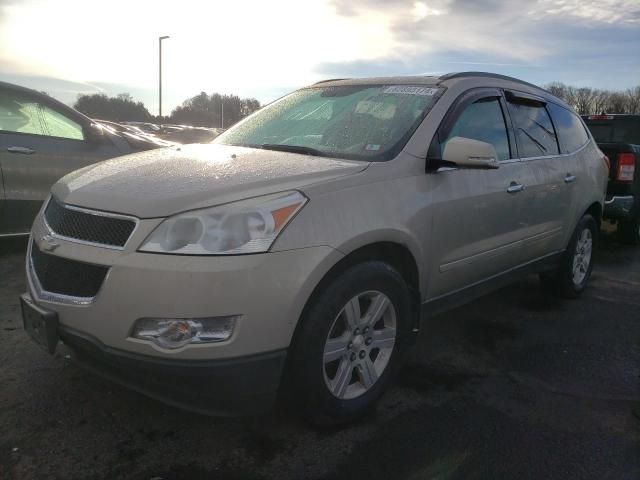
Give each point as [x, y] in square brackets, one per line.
[160, 76]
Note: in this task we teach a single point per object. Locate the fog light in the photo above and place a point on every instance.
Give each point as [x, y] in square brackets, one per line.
[174, 333]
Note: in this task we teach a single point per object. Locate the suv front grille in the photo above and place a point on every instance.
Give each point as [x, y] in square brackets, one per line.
[98, 228]
[61, 276]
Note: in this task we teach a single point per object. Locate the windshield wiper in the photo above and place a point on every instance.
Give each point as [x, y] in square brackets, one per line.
[293, 149]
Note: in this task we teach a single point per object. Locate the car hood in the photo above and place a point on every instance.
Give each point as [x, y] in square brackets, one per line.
[159, 183]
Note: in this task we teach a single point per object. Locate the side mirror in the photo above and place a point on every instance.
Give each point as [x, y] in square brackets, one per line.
[94, 133]
[466, 152]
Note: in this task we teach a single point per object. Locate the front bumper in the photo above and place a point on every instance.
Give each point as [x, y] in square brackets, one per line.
[266, 291]
[618, 206]
[236, 386]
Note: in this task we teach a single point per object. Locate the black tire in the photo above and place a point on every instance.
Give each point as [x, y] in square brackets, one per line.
[305, 384]
[561, 281]
[629, 230]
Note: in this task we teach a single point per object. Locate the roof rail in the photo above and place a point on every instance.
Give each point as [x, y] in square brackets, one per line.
[488, 75]
[330, 80]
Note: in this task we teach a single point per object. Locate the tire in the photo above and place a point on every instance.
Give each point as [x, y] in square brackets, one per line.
[329, 391]
[572, 275]
[629, 230]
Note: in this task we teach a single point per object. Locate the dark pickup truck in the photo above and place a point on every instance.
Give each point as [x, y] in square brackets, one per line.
[618, 136]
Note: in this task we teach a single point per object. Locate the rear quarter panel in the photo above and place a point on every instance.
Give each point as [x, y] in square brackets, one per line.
[591, 186]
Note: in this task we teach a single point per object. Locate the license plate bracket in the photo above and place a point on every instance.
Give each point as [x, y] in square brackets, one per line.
[40, 324]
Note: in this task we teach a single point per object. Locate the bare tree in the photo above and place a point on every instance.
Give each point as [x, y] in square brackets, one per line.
[586, 100]
[633, 100]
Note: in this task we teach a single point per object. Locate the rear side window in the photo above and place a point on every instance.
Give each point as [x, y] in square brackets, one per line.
[483, 121]
[535, 135]
[571, 132]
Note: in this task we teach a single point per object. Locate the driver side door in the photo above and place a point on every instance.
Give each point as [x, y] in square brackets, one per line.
[477, 213]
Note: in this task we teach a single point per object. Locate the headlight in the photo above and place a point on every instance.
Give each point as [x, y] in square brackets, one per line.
[248, 226]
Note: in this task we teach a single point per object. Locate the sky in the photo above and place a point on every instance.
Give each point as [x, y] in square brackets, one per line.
[263, 49]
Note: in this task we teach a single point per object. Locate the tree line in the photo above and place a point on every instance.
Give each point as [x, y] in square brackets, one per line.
[202, 110]
[589, 101]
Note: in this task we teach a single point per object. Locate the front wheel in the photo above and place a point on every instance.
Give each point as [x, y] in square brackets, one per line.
[572, 275]
[350, 344]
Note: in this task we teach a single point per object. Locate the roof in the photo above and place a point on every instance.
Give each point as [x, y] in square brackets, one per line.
[445, 80]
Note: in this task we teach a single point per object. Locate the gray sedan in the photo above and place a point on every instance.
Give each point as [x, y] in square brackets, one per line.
[41, 140]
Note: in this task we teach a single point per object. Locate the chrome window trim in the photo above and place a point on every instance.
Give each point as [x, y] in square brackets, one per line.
[560, 155]
[44, 295]
[10, 235]
[96, 213]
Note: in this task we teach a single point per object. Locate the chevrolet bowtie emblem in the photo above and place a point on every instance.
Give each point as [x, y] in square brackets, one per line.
[48, 243]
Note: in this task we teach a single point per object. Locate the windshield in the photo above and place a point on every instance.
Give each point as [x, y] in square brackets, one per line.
[361, 122]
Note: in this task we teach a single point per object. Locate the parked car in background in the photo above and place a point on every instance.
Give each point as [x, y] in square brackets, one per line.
[618, 136]
[41, 140]
[299, 251]
[188, 134]
[146, 127]
[135, 136]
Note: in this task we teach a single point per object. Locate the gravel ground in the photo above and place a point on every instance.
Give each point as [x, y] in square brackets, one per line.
[514, 385]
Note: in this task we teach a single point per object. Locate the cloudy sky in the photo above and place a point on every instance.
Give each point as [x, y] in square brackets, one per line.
[265, 48]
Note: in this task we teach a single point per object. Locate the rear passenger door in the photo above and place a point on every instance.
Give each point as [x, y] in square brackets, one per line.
[548, 176]
[572, 138]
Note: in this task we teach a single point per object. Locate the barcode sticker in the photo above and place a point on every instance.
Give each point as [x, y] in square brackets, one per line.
[411, 90]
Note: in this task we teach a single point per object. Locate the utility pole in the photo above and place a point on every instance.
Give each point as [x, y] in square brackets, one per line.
[160, 76]
[222, 108]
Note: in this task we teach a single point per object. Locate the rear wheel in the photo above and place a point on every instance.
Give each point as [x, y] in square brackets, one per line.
[629, 230]
[350, 344]
[572, 275]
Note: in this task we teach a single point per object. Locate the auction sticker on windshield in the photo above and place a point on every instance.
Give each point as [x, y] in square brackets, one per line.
[411, 90]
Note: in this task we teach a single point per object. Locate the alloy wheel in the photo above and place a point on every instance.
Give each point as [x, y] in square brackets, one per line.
[582, 256]
[359, 344]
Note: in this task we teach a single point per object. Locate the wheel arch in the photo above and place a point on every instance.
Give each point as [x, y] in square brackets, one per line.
[595, 210]
[398, 255]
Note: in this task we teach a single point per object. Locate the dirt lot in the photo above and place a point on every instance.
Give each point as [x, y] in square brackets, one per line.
[515, 385]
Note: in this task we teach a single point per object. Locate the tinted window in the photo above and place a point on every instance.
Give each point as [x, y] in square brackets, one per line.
[484, 121]
[571, 132]
[21, 114]
[601, 132]
[534, 132]
[617, 129]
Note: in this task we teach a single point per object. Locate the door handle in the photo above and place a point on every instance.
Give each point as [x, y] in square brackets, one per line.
[515, 187]
[569, 178]
[22, 150]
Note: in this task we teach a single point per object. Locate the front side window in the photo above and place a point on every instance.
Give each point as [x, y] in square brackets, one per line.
[57, 125]
[360, 122]
[483, 120]
[571, 132]
[20, 114]
[535, 135]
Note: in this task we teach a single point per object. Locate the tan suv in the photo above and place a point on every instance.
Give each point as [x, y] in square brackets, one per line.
[301, 249]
